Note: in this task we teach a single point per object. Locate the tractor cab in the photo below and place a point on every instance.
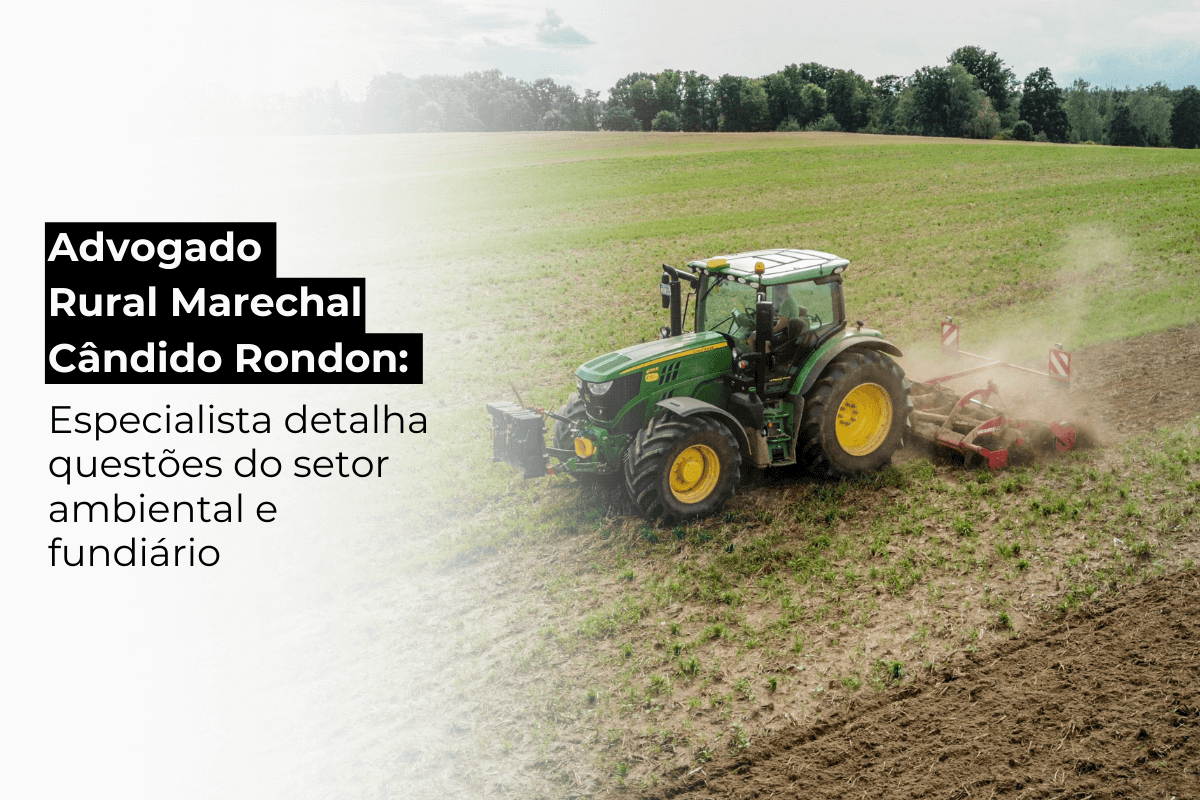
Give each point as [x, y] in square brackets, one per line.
[777, 305]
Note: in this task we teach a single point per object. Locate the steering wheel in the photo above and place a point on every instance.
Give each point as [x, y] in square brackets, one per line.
[744, 319]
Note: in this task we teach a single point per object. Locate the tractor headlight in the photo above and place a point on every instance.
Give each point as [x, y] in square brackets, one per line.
[598, 389]
[579, 384]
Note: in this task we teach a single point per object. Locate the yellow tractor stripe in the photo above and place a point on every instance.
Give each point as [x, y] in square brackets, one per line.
[704, 349]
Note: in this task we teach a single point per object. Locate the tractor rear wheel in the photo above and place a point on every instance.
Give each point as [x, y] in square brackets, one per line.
[682, 467]
[855, 416]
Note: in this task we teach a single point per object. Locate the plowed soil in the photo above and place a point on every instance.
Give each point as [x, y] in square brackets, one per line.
[1140, 384]
[1105, 704]
[1102, 703]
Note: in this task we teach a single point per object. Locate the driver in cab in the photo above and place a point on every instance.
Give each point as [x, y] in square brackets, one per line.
[787, 310]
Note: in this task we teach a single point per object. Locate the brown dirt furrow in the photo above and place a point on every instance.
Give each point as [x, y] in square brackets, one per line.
[1140, 384]
[1105, 703]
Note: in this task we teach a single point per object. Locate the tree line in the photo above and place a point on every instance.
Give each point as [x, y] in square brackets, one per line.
[975, 95]
[476, 101]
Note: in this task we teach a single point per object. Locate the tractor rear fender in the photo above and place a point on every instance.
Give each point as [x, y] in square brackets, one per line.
[689, 406]
[809, 375]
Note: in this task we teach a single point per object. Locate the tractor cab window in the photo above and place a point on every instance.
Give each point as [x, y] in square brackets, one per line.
[727, 307]
[804, 312]
[812, 304]
[801, 309]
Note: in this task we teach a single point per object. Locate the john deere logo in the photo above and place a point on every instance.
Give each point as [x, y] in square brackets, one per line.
[652, 375]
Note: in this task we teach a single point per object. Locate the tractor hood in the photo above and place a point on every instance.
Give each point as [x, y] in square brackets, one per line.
[660, 353]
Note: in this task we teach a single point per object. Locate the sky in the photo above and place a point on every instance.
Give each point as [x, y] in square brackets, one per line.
[89, 50]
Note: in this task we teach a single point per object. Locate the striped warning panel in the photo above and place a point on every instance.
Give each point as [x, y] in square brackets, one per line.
[950, 337]
[1060, 365]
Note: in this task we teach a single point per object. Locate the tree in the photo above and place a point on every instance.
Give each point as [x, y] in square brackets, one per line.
[742, 104]
[940, 101]
[618, 95]
[392, 104]
[646, 94]
[555, 120]
[727, 93]
[995, 79]
[1023, 131]
[667, 85]
[812, 72]
[813, 104]
[783, 97]
[1185, 119]
[665, 121]
[590, 110]
[1042, 106]
[754, 106]
[500, 102]
[1152, 115]
[1082, 105]
[849, 99]
[887, 96]
[696, 107]
[1122, 130]
[619, 118]
[984, 122]
[644, 101]
[825, 123]
[429, 117]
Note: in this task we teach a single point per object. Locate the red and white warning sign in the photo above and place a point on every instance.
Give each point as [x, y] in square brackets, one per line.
[950, 337]
[1060, 365]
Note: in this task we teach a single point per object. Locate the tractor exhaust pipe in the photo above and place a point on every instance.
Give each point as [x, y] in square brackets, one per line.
[675, 302]
[671, 294]
[764, 313]
[669, 289]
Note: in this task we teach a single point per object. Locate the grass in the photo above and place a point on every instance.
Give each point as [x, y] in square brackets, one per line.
[801, 576]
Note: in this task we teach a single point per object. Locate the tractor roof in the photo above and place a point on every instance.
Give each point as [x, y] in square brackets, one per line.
[781, 266]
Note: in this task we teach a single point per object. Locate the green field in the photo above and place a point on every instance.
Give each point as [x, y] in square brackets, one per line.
[1079, 244]
[553, 648]
[537, 252]
[1089, 243]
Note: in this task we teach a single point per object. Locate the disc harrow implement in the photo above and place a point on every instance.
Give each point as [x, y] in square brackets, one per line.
[977, 424]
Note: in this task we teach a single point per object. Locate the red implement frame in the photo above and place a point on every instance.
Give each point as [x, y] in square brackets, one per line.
[976, 424]
[1058, 364]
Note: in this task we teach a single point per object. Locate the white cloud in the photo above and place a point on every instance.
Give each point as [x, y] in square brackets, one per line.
[1174, 23]
[552, 32]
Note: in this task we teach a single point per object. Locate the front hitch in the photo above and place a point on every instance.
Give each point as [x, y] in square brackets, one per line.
[519, 438]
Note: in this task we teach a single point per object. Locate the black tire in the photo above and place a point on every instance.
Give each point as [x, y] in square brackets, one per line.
[855, 416]
[680, 468]
[574, 411]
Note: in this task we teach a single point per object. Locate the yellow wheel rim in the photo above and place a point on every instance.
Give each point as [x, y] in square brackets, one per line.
[864, 419]
[694, 474]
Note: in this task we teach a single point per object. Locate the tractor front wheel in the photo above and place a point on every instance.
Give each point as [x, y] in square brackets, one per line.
[855, 416]
[564, 439]
[679, 468]
[573, 410]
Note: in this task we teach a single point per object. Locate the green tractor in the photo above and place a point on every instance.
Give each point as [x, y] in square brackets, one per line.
[771, 375]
